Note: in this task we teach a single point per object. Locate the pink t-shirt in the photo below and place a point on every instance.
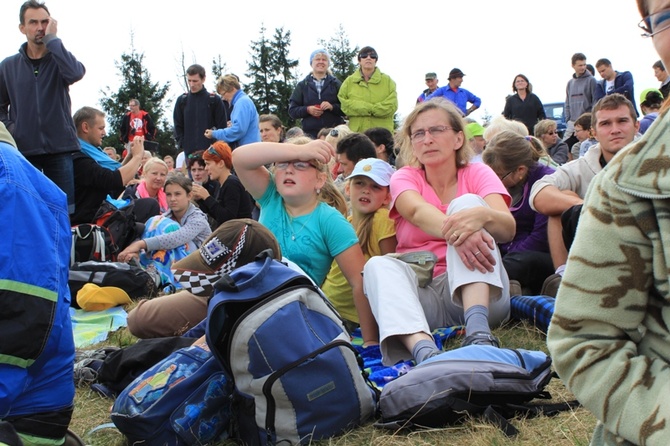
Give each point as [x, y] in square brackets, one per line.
[475, 178]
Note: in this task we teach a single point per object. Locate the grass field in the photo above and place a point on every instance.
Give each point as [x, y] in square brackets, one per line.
[572, 428]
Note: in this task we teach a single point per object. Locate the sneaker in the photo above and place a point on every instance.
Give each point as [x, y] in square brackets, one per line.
[86, 371]
[515, 288]
[481, 338]
[550, 285]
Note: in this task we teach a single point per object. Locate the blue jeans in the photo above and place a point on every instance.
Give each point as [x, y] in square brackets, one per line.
[59, 169]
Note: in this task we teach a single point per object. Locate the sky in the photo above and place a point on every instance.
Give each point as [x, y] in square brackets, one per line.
[489, 40]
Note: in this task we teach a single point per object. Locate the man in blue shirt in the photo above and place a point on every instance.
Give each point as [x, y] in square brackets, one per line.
[431, 83]
[459, 96]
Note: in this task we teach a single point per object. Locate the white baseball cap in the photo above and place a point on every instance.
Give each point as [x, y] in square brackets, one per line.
[378, 170]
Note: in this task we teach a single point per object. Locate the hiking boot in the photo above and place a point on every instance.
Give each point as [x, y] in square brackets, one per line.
[551, 284]
[481, 338]
[515, 288]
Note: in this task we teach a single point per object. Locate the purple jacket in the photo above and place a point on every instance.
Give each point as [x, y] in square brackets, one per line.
[531, 226]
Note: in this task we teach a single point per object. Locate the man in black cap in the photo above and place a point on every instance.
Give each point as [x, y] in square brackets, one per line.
[459, 96]
[431, 83]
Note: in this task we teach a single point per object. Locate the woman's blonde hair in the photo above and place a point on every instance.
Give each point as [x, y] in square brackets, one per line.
[501, 124]
[454, 120]
[152, 162]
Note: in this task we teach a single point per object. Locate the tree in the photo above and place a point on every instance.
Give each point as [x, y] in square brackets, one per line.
[136, 83]
[341, 54]
[273, 74]
[218, 69]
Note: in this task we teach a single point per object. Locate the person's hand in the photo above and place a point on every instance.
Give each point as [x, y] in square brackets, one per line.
[315, 110]
[198, 192]
[459, 226]
[131, 252]
[325, 105]
[230, 124]
[52, 27]
[476, 252]
[316, 150]
[208, 133]
[137, 147]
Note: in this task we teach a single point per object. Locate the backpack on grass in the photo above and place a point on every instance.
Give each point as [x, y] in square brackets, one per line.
[134, 280]
[477, 380]
[182, 400]
[297, 377]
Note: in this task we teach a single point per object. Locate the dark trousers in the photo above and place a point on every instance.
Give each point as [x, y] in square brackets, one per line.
[530, 268]
[59, 169]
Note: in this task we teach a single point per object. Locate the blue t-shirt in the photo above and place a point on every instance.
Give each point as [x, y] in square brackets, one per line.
[311, 241]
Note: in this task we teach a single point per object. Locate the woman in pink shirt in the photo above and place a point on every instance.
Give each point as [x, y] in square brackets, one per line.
[458, 211]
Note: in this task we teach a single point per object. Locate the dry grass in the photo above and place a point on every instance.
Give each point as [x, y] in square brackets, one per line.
[571, 428]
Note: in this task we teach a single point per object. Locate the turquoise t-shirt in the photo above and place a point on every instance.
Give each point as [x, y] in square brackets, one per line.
[312, 241]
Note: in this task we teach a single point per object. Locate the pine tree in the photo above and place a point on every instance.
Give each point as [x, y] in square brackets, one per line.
[273, 74]
[341, 54]
[136, 84]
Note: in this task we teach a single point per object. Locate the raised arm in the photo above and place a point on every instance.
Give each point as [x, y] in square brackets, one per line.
[250, 160]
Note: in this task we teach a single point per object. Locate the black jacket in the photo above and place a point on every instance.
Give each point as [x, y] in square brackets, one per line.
[305, 94]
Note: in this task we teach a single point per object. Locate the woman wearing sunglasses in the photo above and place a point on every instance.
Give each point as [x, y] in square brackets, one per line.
[310, 232]
[368, 96]
[547, 132]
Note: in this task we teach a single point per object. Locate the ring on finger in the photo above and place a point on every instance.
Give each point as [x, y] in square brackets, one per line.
[477, 253]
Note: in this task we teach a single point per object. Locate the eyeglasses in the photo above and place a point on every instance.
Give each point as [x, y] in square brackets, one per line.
[297, 165]
[435, 131]
[368, 54]
[655, 23]
[212, 151]
[502, 178]
[334, 133]
[552, 132]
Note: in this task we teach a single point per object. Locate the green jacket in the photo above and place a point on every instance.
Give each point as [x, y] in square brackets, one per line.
[610, 333]
[369, 104]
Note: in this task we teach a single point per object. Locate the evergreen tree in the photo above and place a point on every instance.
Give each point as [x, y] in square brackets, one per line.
[272, 73]
[341, 54]
[218, 69]
[136, 84]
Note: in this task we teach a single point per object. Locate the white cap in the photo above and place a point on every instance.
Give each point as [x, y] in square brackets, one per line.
[378, 170]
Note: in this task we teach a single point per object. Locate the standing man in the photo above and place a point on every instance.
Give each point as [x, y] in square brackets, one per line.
[35, 101]
[459, 96]
[613, 82]
[197, 111]
[136, 123]
[431, 83]
[663, 78]
[579, 96]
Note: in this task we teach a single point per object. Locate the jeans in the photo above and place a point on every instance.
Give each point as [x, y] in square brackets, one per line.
[59, 169]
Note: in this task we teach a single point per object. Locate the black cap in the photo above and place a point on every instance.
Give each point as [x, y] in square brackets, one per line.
[456, 72]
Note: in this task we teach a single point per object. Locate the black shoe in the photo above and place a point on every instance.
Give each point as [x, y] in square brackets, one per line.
[481, 338]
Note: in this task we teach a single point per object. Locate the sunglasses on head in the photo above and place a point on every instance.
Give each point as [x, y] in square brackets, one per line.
[212, 151]
[334, 133]
[368, 54]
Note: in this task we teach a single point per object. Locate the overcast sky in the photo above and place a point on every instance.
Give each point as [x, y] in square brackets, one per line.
[489, 40]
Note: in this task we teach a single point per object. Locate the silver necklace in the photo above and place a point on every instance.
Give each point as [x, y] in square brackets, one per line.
[294, 234]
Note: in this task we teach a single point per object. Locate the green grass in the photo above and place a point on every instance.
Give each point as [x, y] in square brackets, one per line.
[570, 428]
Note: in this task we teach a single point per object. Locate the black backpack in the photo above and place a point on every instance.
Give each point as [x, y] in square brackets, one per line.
[134, 280]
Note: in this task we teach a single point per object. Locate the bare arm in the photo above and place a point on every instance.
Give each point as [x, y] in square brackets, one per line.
[351, 262]
[132, 161]
[550, 200]
[250, 160]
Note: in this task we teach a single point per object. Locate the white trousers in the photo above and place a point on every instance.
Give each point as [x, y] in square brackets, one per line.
[401, 307]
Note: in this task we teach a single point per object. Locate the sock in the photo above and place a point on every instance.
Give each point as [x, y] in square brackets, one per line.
[560, 270]
[423, 350]
[477, 319]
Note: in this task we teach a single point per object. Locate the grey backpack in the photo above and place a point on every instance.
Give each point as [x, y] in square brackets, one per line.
[477, 380]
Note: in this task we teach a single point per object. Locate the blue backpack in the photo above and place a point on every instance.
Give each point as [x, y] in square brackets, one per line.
[182, 400]
[477, 380]
[297, 377]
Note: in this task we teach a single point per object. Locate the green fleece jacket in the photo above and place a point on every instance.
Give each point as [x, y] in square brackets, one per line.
[610, 333]
[369, 104]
